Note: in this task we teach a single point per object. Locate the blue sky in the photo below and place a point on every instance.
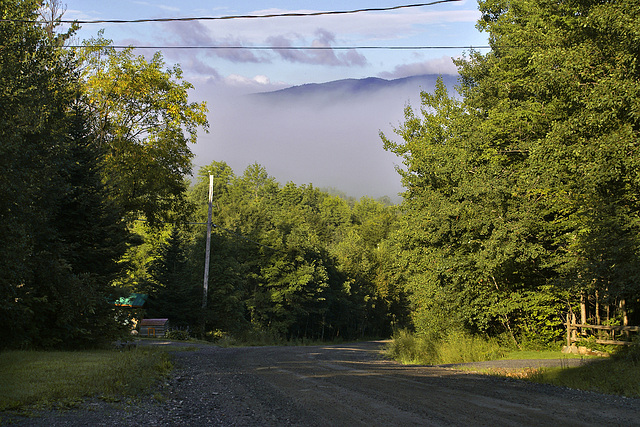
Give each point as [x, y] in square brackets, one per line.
[354, 160]
[450, 24]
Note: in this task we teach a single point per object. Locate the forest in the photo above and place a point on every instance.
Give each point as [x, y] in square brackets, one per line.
[521, 202]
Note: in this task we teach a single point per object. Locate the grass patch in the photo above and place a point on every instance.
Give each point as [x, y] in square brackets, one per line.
[65, 378]
[261, 338]
[456, 347]
[544, 354]
[460, 347]
[611, 376]
[619, 374]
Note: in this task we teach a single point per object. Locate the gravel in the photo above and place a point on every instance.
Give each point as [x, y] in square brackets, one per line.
[337, 385]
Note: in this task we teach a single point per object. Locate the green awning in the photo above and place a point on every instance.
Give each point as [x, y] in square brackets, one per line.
[133, 300]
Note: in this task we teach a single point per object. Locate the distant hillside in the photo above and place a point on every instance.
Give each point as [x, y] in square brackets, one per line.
[355, 87]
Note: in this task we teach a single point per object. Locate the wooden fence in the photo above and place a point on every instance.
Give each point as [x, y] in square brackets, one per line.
[604, 334]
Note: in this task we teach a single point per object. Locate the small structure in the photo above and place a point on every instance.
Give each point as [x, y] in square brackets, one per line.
[154, 327]
[131, 309]
[133, 301]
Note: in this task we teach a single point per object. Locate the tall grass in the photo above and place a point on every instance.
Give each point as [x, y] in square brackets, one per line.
[455, 347]
[259, 338]
[619, 374]
[65, 378]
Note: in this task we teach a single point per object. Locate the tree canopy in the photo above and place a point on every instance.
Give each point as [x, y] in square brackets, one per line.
[283, 259]
[85, 140]
[143, 118]
[522, 192]
[521, 202]
[60, 234]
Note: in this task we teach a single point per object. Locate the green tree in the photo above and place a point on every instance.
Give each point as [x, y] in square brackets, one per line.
[470, 235]
[60, 235]
[562, 79]
[276, 258]
[512, 189]
[362, 256]
[172, 293]
[90, 224]
[145, 121]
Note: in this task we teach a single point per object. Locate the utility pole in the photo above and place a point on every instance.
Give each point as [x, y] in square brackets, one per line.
[208, 249]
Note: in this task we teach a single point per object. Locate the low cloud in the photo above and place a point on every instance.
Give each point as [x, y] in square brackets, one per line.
[443, 65]
[327, 139]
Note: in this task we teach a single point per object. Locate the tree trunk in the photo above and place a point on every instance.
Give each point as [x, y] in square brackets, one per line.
[625, 318]
[583, 313]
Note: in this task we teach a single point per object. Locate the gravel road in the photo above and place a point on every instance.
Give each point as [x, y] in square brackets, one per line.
[347, 385]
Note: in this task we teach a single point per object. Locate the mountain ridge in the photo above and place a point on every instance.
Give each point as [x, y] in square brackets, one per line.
[348, 87]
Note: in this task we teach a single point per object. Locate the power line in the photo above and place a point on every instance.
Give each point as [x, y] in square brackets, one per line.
[219, 18]
[288, 47]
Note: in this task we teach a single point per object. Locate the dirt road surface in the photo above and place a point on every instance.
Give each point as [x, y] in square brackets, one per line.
[341, 385]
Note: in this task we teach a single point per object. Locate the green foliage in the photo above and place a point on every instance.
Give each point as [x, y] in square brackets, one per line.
[100, 135]
[291, 261]
[283, 261]
[60, 233]
[177, 334]
[591, 344]
[574, 89]
[522, 192]
[144, 120]
[406, 348]
[171, 292]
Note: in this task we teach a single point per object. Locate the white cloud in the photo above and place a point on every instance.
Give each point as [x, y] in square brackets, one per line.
[349, 28]
[323, 39]
[238, 84]
[442, 65]
[264, 80]
[237, 80]
[159, 6]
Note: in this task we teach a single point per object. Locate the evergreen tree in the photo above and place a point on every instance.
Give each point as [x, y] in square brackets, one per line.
[59, 235]
[172, 294]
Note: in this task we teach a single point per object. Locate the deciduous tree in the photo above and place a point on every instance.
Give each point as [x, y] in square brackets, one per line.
[143, 118]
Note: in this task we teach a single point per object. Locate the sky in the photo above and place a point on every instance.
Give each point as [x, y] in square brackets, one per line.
[327, 144]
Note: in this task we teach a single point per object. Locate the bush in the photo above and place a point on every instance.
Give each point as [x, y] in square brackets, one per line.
[456, 347]
[407, 348]
[177, 334]
[462, 347]
[223, 339]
